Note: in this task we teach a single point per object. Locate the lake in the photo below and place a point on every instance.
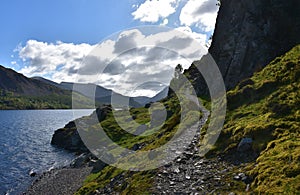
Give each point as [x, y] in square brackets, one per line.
[25, 137]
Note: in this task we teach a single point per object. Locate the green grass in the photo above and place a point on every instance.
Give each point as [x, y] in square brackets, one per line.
[266, 107]
[139, 182]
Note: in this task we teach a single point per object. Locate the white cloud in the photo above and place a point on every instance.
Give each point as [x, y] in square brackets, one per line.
[165, 22]
[13, 63]
[201, 38]
[42, 58]
[122, 64]
[154, 10]
[194, 13]
[201, 13]
[143, 92]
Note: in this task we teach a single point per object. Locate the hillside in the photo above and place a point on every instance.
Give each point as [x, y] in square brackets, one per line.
[154, 138]
[20, 92]
[47, 81]
[266, 108]
[11, 81]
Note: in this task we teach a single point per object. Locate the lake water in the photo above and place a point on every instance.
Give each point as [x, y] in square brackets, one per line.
[25, 137]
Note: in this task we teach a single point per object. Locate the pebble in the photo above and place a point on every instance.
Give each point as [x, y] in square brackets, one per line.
[192, 174]
[176, 170]
[236, 177]
[247, 188]
[178, 152]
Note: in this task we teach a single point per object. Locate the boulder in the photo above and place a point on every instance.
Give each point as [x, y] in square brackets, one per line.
[32, 173]
[245, 145]
[69, 139]
[97, 165]
[135, 147]
[80, 161]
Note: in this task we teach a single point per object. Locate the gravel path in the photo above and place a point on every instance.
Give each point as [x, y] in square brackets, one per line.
[63, 181]
[189, 173]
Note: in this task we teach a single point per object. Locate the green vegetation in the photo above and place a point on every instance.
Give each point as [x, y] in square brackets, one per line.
[138, 182]
[266, 108]
[132, 182]
[10, 101]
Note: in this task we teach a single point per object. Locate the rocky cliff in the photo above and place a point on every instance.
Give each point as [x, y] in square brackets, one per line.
[249, 34]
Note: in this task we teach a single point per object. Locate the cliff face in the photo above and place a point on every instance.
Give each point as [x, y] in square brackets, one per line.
[249, 34]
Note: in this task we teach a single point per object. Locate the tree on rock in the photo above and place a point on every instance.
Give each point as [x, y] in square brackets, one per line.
[178, 71]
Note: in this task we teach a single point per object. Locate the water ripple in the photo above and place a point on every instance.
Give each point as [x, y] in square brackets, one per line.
[25, 145]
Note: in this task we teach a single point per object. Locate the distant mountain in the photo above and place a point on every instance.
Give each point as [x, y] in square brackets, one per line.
[100, 94]
[11, 81]
[87, 88]
[103, 95]
[161, 95]
[144, 100]
[47, 81]
[20, 92]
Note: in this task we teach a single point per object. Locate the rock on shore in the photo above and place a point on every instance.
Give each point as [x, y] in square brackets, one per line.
[69, 139]
[59, 181]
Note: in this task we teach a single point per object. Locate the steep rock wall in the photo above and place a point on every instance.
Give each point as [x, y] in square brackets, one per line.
[249, 34]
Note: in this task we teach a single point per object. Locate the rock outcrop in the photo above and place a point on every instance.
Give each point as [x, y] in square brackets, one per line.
[69, 138]
[249, 34]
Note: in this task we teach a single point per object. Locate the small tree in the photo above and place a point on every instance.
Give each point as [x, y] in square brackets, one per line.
[178, 71]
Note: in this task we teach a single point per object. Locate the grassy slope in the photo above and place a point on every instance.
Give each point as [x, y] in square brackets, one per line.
[138, 182]
[267, 108]
[264, 107]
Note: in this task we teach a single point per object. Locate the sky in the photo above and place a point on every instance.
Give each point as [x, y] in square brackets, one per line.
[129, 46]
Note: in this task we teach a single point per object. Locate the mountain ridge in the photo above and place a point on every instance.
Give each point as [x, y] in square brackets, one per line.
[13, 81]
[20, 92]
[103, 95]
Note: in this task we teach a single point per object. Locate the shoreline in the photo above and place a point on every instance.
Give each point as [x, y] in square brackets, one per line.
[64, 180]
[67, 179]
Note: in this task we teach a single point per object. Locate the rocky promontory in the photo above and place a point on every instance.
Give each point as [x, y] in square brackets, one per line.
[69, 138]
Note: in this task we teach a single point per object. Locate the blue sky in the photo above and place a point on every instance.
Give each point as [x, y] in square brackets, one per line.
[48, 38]
[78, 21]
